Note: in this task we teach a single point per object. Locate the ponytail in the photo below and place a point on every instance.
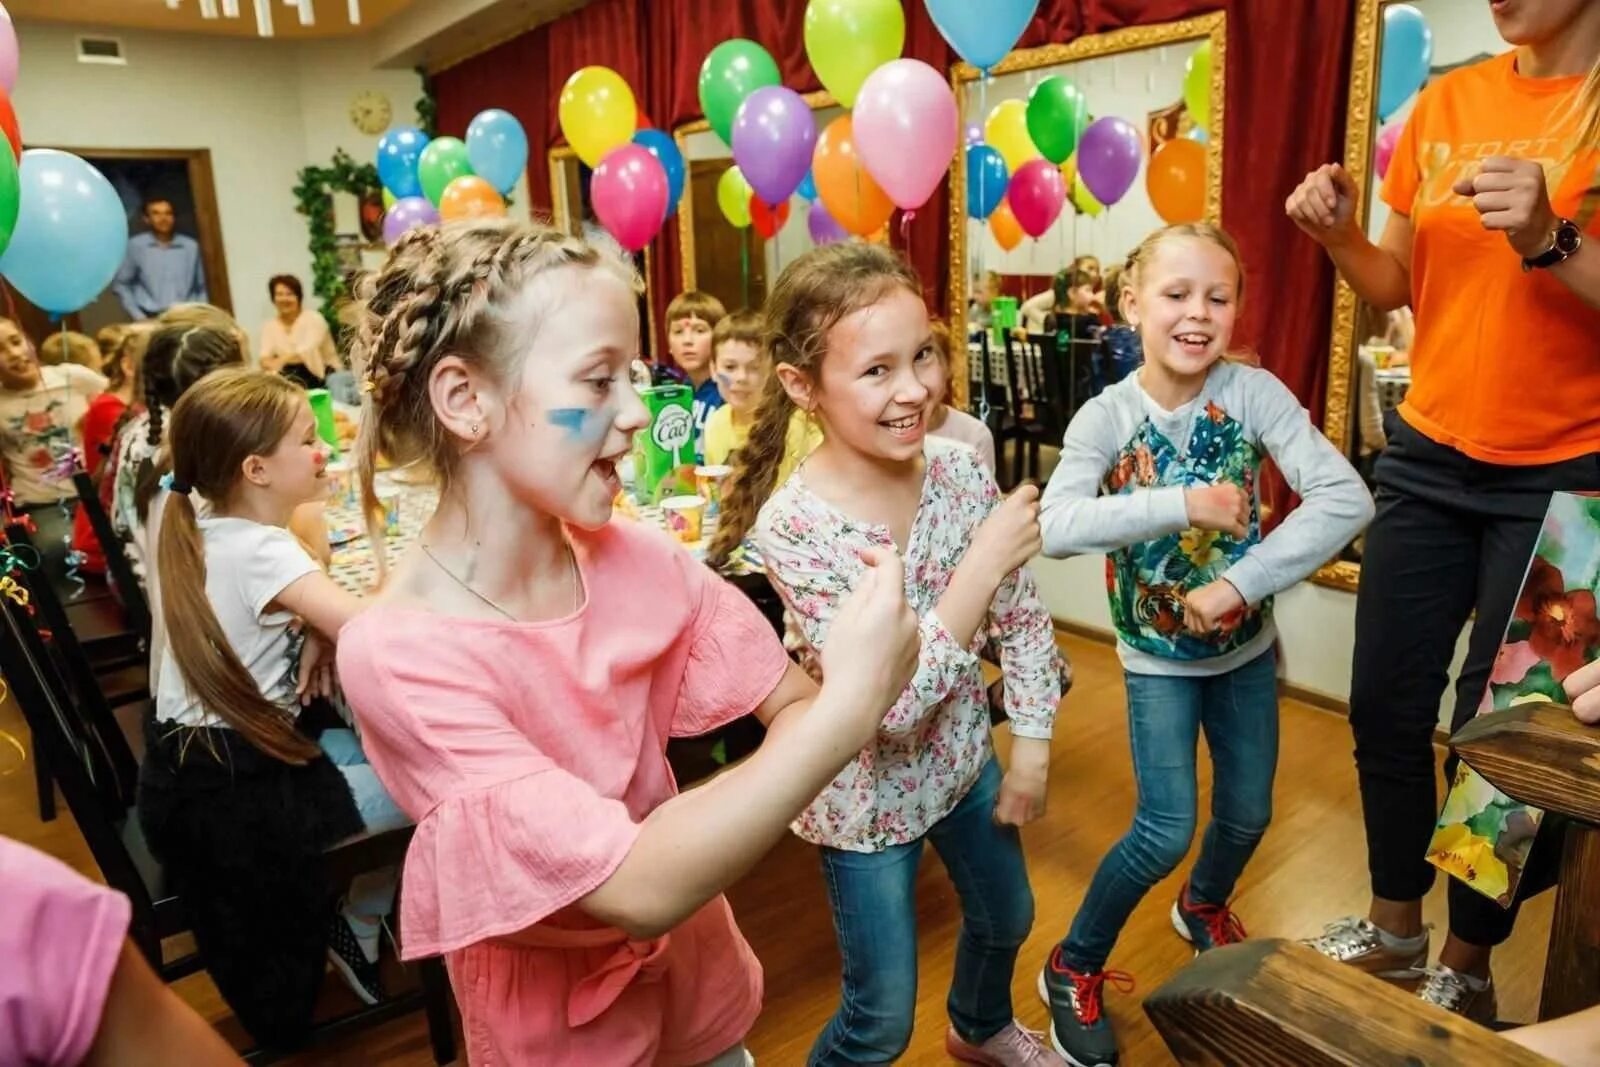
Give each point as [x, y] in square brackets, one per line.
[755, 470]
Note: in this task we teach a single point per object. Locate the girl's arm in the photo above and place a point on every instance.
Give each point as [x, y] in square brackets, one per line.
[309, 524]
[321, 602]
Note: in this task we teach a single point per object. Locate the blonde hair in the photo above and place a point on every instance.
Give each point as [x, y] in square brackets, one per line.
[135, 339]
[206, 316]
[110, 338]
[226, 418]
[67, 346]
[1588, 104]
[1139, 260]
[812, 294]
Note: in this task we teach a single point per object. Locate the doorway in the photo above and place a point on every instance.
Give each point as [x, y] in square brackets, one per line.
[730, 264]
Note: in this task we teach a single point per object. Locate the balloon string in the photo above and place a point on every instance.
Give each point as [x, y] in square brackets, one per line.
[744, 269]
[905, 229]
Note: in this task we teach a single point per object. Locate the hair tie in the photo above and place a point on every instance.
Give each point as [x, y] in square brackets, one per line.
[170, 482]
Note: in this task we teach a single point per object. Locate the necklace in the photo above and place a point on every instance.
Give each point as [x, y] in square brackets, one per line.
[572, 566]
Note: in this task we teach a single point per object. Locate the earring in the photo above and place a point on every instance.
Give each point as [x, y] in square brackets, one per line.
[474, 431]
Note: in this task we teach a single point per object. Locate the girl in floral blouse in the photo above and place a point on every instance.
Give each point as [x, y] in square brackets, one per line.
[849, 339]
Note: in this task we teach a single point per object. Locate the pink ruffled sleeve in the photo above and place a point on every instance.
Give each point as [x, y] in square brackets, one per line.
[735, 662]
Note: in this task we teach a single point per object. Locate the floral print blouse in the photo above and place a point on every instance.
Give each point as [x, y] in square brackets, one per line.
[935, 739]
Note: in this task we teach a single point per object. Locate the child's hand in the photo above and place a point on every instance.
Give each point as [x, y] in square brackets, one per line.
[1205, 609]
[317, 678]
[1009, 537]
[1223, 507]
[1022, 790]
[1583, 689]
[873, 643]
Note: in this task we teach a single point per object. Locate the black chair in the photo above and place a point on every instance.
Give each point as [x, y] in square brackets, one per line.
[118, 568]
[993, 398]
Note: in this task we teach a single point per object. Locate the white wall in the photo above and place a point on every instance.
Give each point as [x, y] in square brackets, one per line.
[263, 108]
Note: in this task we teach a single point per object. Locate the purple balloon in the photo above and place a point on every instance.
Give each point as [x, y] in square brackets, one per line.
[774, 136]
[974, 133]
[406, 214]
[1109, 155]
[824, 229]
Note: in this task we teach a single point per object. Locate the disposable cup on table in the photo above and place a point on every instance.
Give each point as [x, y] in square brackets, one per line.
[684, 516]
[708, 481]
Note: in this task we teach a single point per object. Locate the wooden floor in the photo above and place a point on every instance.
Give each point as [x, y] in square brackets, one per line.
[1311, 868]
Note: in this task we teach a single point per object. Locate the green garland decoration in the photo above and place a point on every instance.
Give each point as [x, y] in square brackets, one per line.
[427, 105]
[314, 199]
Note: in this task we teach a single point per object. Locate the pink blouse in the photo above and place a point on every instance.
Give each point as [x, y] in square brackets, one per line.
[528, 754]
[935, 739]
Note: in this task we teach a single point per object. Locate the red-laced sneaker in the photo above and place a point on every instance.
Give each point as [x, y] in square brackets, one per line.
[1205, 926]
[1079, 1028]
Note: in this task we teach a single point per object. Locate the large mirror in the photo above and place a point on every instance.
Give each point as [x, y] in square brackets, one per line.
[1369, 368]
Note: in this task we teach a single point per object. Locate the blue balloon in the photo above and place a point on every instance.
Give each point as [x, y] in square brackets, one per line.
[665, 149]
[1407, 55]
[71, 235]
[808, 188]
[1198, 133]
[399, 152]
[497, 148]
[986, 180]
[982, 32]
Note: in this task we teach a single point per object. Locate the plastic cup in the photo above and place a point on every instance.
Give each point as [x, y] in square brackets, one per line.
[389, 500]
[341, 483]
[708, 483]
[684, 515]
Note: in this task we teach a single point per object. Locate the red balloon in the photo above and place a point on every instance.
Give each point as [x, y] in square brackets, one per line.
[768, 221]
[641, 121]
[8, 123]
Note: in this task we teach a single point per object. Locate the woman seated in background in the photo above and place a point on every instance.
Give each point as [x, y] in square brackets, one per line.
[295, 342]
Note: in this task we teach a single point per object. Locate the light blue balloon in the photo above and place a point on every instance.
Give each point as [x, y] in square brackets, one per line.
[497, 148]
[982, 31]
[1407, 55]
[399, 152]
[808, 188]
[71, 235]
[665, 149]
[1198, 133]
[986, 180]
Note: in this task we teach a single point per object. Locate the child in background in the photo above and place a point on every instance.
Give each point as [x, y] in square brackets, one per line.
[574, 893]
[742, 369]
[980, 312]
[691, 318]
[1076, 307]
[1160, 473]
[948, 422]
[110, 338]
[99, 426]
[1120, 341]
[238, 794]
[848, 333]
[68, 346]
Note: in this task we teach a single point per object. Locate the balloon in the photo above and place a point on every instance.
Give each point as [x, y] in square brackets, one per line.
[768, 221]
[1388, 139]
[1198, 133]
[846, 40]
[8, 123]
[497, 148]
[443, 161]
[774, 135]
[986, 180]
[399, 153]
[630, 193]
[1176, 180]
[1003, 224]
[734, 69]
[733, 197]
[823, 229]
[907, 125]
[982, 31]
[1108, 158]
[1036, 194]
[1084, 200]
[974, 133]
[641, 120]
[407, 214]
[66, 248]
[665, 149]
[853, 199]
[389, 199]
[1197, 85]
[1407, 54]
[1007, 131]
[470, 197]
[808, 186]
[1056, 115]
[8, 52]
[597, 112]
[10, 198]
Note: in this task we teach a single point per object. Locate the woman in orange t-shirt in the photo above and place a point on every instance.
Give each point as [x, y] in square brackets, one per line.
[1494, 241]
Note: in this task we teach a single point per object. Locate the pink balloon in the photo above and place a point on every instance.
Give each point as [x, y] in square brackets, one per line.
[1036, 195]
[629, 191]
[1388, 139]
[8, 51]
[906, 129]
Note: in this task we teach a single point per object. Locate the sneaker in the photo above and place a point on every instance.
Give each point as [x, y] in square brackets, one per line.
[1357, 942]
[1079, 1028]
[1015, 1045]
[1205, 926]
[359, 973]
[1472, 998]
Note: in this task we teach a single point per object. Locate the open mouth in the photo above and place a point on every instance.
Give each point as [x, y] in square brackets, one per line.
[1194, 344]
[906, 426]
[606, 471]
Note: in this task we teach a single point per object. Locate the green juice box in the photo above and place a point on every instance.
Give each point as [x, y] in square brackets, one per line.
[663, 452]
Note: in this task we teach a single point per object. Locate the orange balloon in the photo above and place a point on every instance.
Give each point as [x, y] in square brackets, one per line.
[1176, 179]
[847, 190]
[470, 197]
[1005, 227]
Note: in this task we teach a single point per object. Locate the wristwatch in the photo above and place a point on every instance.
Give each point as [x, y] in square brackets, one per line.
[1563, 244]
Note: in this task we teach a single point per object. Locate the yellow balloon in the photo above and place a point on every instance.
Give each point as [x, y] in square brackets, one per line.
[597, 113]
[1007, 133]
[733, 197]
[1197, 86]
[1084, 200]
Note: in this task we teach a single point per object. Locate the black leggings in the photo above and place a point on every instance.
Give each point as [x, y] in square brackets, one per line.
[1452, 536]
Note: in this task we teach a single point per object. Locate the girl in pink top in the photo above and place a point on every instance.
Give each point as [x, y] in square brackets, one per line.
[520, 675]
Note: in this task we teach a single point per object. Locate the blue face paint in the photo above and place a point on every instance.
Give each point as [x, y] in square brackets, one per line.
[581, 424]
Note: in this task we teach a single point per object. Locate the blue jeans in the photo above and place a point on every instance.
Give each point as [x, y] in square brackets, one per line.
[1239, 713]
[371, 893]
[873, 895]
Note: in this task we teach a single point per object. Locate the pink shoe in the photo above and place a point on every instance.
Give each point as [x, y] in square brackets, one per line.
[1015, 1046]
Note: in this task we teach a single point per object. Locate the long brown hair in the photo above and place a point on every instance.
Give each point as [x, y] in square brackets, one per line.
[812, 294]
[225, 419]
[175, 359]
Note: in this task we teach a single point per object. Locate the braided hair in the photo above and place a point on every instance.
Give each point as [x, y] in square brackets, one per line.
[176, 358]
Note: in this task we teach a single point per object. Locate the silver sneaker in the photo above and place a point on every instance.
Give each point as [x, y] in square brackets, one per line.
[1357, 942]
[1452, 991]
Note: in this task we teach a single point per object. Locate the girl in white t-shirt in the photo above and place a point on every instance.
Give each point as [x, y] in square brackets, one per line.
[238, 794]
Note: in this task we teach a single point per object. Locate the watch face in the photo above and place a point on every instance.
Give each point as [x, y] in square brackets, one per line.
[1568, 238]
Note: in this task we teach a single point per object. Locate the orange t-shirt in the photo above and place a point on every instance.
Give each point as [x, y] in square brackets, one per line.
[1506, 363]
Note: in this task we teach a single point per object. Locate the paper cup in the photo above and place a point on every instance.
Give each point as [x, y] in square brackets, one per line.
[341, 483]
[389, 500]
[708, 483]
[684, 515]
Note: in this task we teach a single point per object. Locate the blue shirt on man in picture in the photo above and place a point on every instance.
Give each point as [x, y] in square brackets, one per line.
[161, 268]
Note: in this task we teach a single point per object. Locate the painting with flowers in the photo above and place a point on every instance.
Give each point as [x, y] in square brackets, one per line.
[1483, 836]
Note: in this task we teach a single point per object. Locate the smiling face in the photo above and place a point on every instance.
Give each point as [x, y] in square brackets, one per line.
[741, 372]
[295, 470]
[1184, 305]
[18, 369]
[285, 301]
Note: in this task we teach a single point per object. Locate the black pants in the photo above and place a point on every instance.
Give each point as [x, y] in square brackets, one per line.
[1452, 536]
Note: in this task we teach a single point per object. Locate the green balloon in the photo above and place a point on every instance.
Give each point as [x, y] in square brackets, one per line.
[443, 161]
[1057, 117]
[10, 194]
[734, 69]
